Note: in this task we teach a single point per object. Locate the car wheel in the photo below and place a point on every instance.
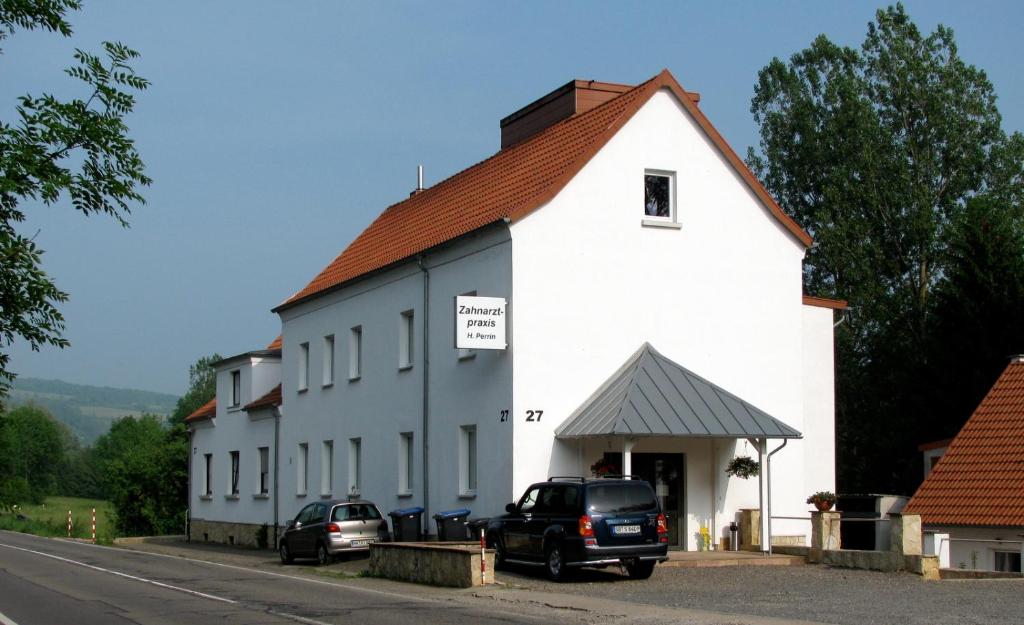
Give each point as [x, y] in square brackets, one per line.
[640, 570]
[499, 552]
[322, 556]
[554, 563]
[285, 553]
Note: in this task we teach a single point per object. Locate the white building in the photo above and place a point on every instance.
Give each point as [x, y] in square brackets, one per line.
[626, 239]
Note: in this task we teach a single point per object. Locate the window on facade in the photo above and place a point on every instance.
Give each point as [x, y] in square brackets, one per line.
[303, 366]
[328, 360]
[236, 388]
[264, 453]
[467, 460]
[1007, 561]
[463, 353]
[355, 461]
[355, 353]
[659, 195]
[208, 486]
[302, 470]
[405, 339]
[234, 473]
[327, 468]
[405, 464]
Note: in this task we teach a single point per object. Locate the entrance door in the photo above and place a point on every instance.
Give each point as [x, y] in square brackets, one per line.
[665, 472]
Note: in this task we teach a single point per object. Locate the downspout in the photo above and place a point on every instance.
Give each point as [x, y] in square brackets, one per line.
[768, 478]
[188, 486]
[277, 456]
[426, 394]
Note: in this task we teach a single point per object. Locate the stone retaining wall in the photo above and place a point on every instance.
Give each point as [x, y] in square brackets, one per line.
[242, 534]
[437, 564]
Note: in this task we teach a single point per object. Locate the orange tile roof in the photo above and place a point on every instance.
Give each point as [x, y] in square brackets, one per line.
[824, 302]
[980, 480]
[206, 411]
[276, 343]
[510, 185]
[273, 398]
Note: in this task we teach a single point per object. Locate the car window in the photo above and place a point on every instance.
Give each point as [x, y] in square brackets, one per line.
[342, 513]
[529, 500]
[558, 499]
[371, 513]
[319, 512]
[620, 498]
[305, 514]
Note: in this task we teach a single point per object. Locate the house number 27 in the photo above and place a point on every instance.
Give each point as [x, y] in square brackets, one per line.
[531, 415]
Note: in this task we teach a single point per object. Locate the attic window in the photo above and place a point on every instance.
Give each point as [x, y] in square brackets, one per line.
[660, 198]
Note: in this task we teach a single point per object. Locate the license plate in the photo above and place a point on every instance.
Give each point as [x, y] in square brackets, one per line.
[626, 529]
[361, 543]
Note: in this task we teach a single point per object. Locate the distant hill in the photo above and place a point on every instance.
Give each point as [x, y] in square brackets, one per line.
[88, 410]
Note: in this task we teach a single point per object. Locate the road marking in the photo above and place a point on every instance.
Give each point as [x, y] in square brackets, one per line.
[5, 621]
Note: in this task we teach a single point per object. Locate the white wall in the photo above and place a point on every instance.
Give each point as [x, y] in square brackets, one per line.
[721, 295]
[965, 553]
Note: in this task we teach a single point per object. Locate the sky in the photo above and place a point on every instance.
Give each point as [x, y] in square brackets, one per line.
[275, 132]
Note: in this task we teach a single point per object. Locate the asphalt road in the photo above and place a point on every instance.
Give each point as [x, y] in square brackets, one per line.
[45, 581]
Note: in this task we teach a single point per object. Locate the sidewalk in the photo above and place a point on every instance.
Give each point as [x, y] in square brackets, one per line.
[702, 559]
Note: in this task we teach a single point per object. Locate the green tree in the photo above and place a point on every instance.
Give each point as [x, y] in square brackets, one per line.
[202, 387]
[32, 445]
[876, 152]
[77, 149]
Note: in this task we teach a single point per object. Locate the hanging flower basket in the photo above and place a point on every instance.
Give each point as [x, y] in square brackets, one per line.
[604, 467]
[743, 467]
[823, 500]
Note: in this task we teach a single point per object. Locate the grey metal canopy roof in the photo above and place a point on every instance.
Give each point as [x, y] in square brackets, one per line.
[651, 395]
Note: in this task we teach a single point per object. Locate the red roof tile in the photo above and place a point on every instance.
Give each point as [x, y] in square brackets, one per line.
[206, 411]
[980, 479]
[276, 343]
[273, 398]
[510, 185]
[824, 302]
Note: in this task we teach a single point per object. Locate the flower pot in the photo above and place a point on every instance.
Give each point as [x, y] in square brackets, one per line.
[823, 506]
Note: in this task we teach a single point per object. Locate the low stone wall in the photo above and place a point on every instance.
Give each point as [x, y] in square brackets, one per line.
[904, 553]
[437, 564]
[241, 534]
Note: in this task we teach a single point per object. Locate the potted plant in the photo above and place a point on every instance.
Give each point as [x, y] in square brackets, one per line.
[743, 467]
[823, 500]
[604, 467]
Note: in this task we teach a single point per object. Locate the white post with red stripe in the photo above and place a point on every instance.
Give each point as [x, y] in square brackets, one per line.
[94, 526]
[483, 557]
[69, 524]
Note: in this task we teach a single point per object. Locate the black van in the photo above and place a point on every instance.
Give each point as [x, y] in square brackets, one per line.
[573, 522]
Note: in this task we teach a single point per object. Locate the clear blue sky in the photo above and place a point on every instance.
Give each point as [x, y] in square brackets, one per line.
[275, 132]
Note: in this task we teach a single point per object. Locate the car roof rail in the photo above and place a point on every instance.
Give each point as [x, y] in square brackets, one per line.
[567, 478]
[615, 476]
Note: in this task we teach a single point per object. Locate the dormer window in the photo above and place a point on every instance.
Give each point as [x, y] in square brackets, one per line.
[660, 198]
[236, 388]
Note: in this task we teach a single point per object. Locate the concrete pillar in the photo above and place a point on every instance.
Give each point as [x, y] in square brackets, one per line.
[906, 534]
[764, 495]
[627, 456]
[824, 534]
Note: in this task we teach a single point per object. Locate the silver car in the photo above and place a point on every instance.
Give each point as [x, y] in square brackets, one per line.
[327, 529]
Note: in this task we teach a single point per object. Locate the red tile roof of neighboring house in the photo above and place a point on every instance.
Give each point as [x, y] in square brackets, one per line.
[934, 445]
[273, 398]
[276, 343]
[980, 480]
[206, 411]
[824, 302]
[510, 185]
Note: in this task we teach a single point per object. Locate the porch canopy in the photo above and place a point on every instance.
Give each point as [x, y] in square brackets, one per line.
[652, 396]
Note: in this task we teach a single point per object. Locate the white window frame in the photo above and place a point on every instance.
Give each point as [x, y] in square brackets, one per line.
[234, 477]
[302, 470]
[328, 372]
[236, 388]
[355, 465]
[208, 478]
[672, 221]
[355, 353]
[464, 353]
[303, 367]
[405, 463]
[327, 468]
[263, 471]
[468, 460]
[406, 338]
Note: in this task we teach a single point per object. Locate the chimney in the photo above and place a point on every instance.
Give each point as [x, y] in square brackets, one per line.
[419, 180]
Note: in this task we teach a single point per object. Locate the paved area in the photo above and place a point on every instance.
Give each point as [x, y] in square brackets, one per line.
[702, 559]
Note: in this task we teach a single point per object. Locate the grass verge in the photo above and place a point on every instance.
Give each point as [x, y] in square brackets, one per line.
[50, 518]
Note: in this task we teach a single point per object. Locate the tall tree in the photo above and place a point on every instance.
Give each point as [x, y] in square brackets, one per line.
[77, 149]
[32, 446]
[876, 152]
[202, 387]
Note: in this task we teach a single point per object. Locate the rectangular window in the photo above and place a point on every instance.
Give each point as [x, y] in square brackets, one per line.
[467, 460]
[234, 473]
[406, 335]
[208, 486]
[327, 468]
[405, 464]
[264, 453]
[659, 196]
[355, 353]
[236, 388]
[464, 353]
[1007, 561]
[303, 366]
[328, 360]
[355, 461]
[302, 470]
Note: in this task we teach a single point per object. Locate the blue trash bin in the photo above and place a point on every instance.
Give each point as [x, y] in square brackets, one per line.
[451, 525]
[406, 524]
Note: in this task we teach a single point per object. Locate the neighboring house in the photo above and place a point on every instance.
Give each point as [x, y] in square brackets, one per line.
[932, 452]
[972, 502]
[650, 292]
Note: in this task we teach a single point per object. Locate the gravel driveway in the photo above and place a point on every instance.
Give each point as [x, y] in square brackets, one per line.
[815, 593]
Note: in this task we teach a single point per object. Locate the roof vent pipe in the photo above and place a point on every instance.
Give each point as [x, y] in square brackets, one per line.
[419, 180]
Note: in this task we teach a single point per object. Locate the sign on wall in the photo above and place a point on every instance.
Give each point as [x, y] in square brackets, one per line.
[479, 322]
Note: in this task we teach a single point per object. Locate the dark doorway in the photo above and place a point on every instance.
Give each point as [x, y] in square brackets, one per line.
[666, 473]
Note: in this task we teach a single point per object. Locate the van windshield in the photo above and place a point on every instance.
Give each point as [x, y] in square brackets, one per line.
[620, 498]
